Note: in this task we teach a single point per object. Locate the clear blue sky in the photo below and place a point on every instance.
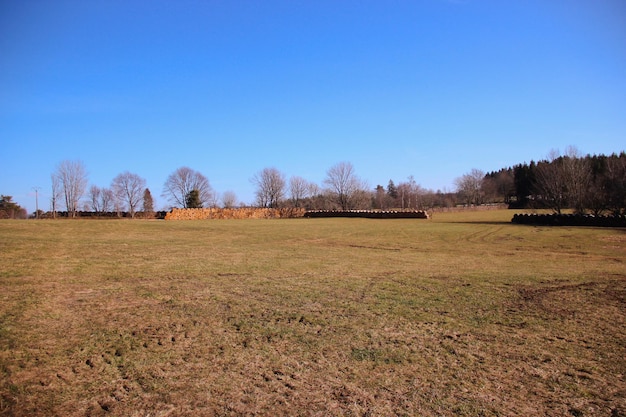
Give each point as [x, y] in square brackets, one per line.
[429, 88]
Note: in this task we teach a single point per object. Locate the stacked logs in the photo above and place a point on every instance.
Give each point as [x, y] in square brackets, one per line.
[234, 213]
[370, 214]
[287, 213]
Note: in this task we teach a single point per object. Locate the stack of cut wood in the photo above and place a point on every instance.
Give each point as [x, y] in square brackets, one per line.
[234, 213]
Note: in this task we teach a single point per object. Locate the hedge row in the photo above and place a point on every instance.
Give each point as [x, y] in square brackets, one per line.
[235, 213]
[569, 220]
[370, 214]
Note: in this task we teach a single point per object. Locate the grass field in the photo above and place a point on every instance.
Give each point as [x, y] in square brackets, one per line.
[464, 314]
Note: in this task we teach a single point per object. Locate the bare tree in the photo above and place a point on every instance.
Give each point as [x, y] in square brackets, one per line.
[362, 200]
[550, 182]
[409, 194]
[298, 190]
[578, 177]
[380, 197]
[416, 193]
[129, 188]
[72, 178]
[344, 185]
[316, 199]
[184, 180]
[616, 184]
[107, 200]
[100, 199]
[469, 186]
[564, 181]
[229, 199]
[213, 201]
[270, 184]
[95, 194]
[56, 193]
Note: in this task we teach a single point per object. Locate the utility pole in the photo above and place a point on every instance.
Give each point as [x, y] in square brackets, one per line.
[36, 201]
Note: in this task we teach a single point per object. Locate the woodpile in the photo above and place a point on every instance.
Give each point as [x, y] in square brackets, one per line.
[287, 213]
[370, 214]
[234, 213]
[569, 220]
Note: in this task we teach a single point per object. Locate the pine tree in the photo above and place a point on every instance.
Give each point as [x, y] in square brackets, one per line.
[10, 209]
[392, 191]
[148, 202]
[193, 199]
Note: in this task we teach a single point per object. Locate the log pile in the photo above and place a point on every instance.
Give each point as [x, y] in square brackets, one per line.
[287, 213]
[370, 214]
[234, 213]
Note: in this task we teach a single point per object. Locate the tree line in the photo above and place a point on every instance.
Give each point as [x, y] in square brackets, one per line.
[594, 184]
[591, 184]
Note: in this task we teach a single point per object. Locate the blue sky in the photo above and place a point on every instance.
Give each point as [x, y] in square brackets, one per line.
[429, 88]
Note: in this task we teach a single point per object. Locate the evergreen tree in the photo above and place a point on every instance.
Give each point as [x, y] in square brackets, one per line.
[392, 191]
[193, 199]
[148, 202]
[524, 180]
[9, 209]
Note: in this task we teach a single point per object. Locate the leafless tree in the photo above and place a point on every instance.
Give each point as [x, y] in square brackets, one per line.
[298, 190]
[404, 195]
[344, 185]
[564, 181]
[415, 193]
[72, 178]
[95, 195]
[469, 186]
[100, 199]
[270, 183]
[410, 194]
[313, 189]
[381, 197]
[578, 178]
[550, 182]
[362, 199]
[184, 180]
[56, 193]
[616, 184]
[213, 200]
[316, 199]
[229, 199]
[129, 188]
[107, 200]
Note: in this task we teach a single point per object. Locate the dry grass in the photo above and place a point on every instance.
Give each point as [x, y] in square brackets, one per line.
[464, 314]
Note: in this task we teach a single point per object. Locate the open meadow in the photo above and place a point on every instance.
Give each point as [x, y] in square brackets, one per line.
[464, 314]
